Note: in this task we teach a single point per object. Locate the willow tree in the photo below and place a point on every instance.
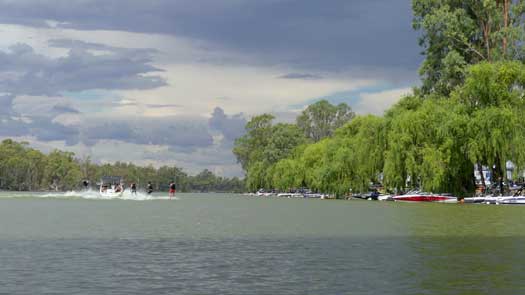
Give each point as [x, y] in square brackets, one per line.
[426, 147]
[288, 174]
[314, 160]
[360, 149]
[494, 95]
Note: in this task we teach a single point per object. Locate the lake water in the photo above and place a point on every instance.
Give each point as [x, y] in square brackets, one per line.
[227, 244]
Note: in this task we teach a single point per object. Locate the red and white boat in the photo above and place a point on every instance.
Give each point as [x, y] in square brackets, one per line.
[425, 197]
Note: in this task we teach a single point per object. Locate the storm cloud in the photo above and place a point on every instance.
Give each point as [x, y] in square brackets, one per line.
[25, 72]
[330, 35]
[146, 75]
[232, 127]
[186, 134]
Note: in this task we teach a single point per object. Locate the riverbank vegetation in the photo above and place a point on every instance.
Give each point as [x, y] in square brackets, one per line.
[468, 112]
[23, 168]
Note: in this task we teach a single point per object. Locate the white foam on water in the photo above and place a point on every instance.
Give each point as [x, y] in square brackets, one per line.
[95, 195]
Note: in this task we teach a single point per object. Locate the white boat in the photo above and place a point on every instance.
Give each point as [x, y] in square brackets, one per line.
[505, 200]
[111, 187]
[477, 200]
[314, 195]
[290, 195]
[520, 200]
[425, 197]
[385, 198]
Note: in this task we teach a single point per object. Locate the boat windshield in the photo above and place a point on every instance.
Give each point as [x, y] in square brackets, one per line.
[111, 180]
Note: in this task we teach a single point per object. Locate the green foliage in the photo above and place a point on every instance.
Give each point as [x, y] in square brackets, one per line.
[248, 147]
[493, 84]
[61, 171]
[362, 145]
[23, 168]
[263, 146]
[283, 139]
[257, 176]
[20, 166]
[430, 142]
[456, 34]
[469, 111]
[321, 119]
[426, 148]
[493, 94]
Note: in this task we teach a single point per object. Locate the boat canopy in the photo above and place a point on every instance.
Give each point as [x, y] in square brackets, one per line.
[111, 179]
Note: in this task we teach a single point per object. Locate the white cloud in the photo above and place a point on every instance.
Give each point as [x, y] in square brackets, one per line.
[378, 102]
[199, 87]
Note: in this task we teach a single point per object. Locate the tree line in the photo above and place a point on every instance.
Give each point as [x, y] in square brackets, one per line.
[23, 168]
[467, 113]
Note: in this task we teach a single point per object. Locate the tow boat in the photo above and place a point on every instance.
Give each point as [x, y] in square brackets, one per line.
[111, 186]
[516, 198]
[514, 201]
[425, 197]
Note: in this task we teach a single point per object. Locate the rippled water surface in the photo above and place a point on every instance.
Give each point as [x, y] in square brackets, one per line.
[225, 244]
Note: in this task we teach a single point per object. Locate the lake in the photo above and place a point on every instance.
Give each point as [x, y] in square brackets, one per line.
[229, 244]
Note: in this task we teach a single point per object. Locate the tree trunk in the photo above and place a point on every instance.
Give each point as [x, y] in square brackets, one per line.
[506, 6]
[499, 171]
[486, 38]
[506, 11]
[480, 170]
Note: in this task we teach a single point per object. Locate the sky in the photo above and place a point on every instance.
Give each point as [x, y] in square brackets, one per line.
[173, 82]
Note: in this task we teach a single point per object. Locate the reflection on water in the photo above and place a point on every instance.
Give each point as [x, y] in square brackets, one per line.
[225, 244]
[470, 265]
[466, 249]
[244, 266]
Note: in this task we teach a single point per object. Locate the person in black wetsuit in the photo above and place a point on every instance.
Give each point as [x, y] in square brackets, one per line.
[133, 188]
[149, 188]
[86, 184]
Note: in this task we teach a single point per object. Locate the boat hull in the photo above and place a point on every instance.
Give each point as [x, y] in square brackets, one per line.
[426, 198]
[513, 201]
[111, 194]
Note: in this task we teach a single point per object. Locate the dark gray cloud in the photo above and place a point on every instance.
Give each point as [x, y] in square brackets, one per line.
[175, 133]
[332, 35]
[172, 132]
[162, 106]
[232, 127]
[42, 128]
[12, 128]
[45, 130]
[63, 109]
[27, 72]
[109, 130]
[301, 76]
[136, 54]
[179, 134]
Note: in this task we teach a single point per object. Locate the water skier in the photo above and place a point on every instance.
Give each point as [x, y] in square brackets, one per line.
[149, 188]
[172, 190]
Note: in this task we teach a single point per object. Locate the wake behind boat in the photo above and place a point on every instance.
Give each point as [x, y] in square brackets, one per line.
[111, 187]
[425, 197]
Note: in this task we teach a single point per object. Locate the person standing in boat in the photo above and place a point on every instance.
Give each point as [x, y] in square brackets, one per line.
[172, 189]
[149, 188]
